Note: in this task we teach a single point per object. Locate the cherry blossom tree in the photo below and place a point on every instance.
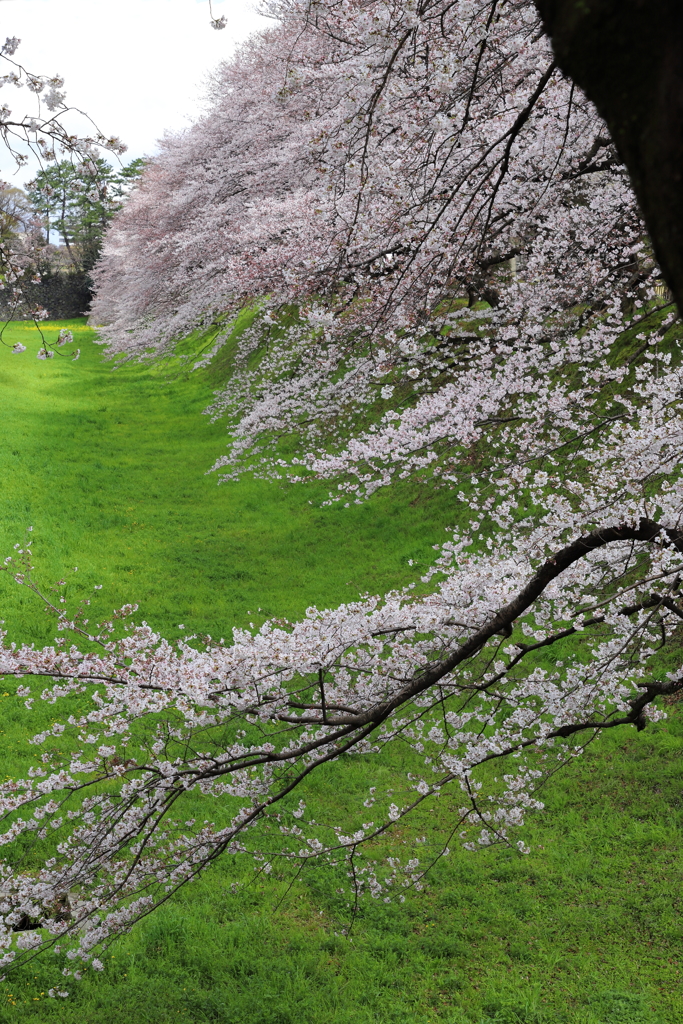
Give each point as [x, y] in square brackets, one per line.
[447, 277]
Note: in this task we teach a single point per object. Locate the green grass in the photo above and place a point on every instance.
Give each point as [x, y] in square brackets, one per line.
[109, 467]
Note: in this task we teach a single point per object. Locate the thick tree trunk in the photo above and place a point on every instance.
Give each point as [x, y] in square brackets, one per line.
[627, 56]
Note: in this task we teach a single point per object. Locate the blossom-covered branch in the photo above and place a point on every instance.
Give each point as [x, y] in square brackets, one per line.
[245, 724]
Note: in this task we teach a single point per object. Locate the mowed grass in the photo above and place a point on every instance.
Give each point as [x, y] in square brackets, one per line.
[109, 468]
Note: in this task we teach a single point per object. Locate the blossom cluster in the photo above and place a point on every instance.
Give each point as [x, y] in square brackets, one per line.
[150, 730]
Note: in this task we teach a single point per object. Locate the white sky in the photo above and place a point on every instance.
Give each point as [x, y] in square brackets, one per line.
[135, 66]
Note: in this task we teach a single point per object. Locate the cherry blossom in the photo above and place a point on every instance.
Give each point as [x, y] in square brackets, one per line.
[419, 241]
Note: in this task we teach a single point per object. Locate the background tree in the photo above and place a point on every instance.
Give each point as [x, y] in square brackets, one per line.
[77, 201]
[72, 201]
[17, 216]
[44, 135]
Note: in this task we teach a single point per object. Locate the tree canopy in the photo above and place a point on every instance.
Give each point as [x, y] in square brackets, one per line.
[78, 200]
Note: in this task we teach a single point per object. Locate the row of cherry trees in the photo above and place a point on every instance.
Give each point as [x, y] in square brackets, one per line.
[364, 176]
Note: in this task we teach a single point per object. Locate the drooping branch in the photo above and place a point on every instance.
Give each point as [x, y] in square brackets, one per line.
[502, 622]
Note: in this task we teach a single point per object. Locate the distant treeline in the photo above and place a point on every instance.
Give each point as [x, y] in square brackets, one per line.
[53, 232]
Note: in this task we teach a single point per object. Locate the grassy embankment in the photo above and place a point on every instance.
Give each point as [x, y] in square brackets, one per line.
[109, 469]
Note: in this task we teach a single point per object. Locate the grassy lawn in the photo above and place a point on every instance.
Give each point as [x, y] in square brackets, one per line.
[109, 468]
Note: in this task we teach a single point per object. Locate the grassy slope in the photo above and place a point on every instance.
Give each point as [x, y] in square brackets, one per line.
[109, 469]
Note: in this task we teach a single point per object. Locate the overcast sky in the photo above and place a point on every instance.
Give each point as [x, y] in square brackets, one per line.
[135, 66]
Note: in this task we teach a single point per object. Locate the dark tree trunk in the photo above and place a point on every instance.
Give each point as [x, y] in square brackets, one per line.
[627, 56]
